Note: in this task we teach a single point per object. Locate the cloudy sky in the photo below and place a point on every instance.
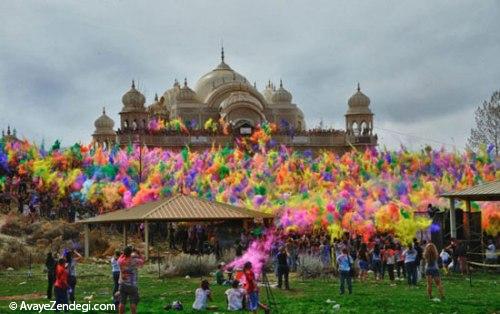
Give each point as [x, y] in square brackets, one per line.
[425, 64]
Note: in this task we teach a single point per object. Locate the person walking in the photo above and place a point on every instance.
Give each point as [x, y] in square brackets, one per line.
[50, 264]
[344, 262]
[129, 263]
[283, 268]
[432, 270]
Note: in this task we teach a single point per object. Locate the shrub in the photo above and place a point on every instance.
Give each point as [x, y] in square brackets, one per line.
[15, 254]
[310, 266]
[98, 242]
[13, 225]
[192, 265]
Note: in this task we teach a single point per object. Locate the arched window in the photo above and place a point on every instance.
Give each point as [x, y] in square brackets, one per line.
[355, 128]
[364, 128]
[134, 124]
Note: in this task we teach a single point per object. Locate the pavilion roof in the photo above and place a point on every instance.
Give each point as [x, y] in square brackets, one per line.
[489, 191]
[178, 208]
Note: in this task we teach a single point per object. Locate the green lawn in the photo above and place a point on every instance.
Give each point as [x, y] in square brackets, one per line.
[306, 296]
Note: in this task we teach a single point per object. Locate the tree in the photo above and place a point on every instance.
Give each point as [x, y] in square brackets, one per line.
[487, 130]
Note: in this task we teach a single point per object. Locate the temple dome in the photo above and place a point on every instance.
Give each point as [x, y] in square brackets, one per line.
[186, 94]
[281, 95]
[133, 100]
[104, 124]
[222, 74]
[268, 92]
[359, 103]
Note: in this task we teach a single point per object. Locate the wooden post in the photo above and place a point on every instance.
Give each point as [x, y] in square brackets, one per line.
[453, 223]
[87, 249]
[124, 234]
[146, 239]
[468, 222]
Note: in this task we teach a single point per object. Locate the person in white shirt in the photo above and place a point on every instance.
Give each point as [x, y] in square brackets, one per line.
[235, 297]
[491, 253]
[202, 296]
[445, 259]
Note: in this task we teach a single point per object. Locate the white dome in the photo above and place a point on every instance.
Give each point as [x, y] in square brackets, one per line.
[133, 100]
[104, 124]
[359, 103]
[186, 94]
[222, 74]
[268, 92]
[281, 95]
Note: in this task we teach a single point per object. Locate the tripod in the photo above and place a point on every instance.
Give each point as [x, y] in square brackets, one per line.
[269, 293]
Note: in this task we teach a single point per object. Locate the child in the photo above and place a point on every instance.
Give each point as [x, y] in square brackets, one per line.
[251, 289]
[235, 297]
[202, 296]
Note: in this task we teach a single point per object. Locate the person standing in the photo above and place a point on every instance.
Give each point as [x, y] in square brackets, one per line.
[344, 262]
[252, 290]
[50, 264]
[72, 257]
[377, 262]
[129, 263]
[61, 283]
[432, 270]
[283, 268]
[390, 260]
[115, 270]
[410, 264]
[363, 262]
[445, 260]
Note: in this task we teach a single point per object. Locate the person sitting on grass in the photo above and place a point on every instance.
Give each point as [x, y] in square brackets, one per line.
[344, 262]
[219, 275]
[431, 270]
[202, 296]
[235, 297]
[251, 289]
[61, 283]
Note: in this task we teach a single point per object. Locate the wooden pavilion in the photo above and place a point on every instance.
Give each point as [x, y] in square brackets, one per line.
[178, 208]
[489, 191]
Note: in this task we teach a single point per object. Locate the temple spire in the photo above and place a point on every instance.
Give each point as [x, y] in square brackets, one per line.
[222, 53]
[103, 110]
[156, 96]
[185, 82]
[133, 84]
[359, 89]
[281, 83]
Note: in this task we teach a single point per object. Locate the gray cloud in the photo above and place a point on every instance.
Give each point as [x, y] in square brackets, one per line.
[425, 65]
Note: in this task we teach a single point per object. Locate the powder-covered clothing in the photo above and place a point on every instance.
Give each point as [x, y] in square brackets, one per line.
[235, 299]
[344, 261]
[410, 255]
[201, 299]
[444, 256]
[61, 277]
[114, 265]
[390, 258]
[249, 284]
[128, 269]
[72, 268]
